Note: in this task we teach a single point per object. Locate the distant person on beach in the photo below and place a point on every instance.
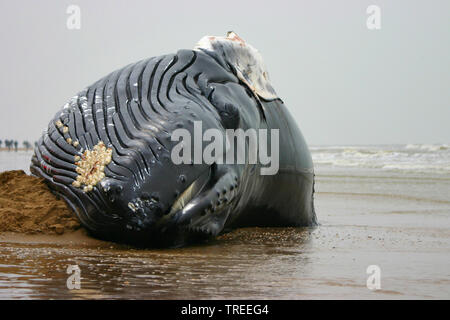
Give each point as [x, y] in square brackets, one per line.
[8, 144]
[15, 145]
[26, 145]
[1, 143]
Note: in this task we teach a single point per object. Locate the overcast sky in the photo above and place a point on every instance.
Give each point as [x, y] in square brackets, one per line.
[344, 83]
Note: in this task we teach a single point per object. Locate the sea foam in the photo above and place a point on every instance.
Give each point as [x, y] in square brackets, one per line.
[411, 157]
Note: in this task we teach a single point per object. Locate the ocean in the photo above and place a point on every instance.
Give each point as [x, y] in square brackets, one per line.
[386, 206]
[409, 158]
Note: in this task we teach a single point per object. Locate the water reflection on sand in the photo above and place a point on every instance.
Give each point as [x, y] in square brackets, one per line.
[247, 263]
[396, 220]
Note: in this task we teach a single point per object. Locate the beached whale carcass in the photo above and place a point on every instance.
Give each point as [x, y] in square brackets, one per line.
[108, 151]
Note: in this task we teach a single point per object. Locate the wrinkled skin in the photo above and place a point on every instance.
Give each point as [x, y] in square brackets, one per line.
[133, 111]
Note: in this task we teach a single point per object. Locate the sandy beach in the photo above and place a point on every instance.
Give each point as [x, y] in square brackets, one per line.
[165, 122]
[396, 219]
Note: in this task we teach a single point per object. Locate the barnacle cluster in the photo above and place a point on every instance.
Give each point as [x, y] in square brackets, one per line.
[65, 130]
[91, 166]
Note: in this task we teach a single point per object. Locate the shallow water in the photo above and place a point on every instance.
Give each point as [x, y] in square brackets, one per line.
[398, 220]
[12, 160]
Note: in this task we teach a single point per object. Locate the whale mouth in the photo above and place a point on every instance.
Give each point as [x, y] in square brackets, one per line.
[191, 191]
[203, 207]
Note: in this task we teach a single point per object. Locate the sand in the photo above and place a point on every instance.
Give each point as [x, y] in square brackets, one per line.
[27, 206]
[397, 221]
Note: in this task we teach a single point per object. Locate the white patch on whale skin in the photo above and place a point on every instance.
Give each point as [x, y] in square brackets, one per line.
[246, 60]
[91, 166]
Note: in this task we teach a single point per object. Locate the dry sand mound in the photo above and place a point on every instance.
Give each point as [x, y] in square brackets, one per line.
[28, 206]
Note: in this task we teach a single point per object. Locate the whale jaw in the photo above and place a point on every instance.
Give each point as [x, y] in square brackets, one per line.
[202, 210]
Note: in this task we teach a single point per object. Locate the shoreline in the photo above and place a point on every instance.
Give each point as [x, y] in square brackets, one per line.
[79, 237]
[14, 150]
[399, 222]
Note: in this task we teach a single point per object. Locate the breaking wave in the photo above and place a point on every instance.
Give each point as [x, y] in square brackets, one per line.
[411, 157]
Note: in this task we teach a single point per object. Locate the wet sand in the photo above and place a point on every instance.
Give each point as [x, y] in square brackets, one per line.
[411, 248]
[399, 222]
[326, 263]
